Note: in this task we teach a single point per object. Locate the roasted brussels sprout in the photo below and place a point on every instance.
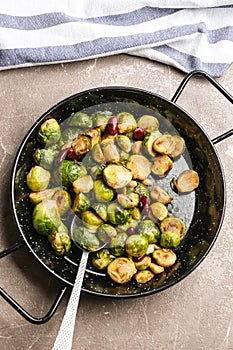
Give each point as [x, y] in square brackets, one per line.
[106, 232]
[60, 242]
[144, 276]
[38, 178]
[143, 263]
[179, 146]
[49, 132]
[103, 193]
[141, 189]
[91, 220]
[110, 151]
[148, 229]
[86, 239]
[156, 269]
[46, 218]
[94, 134]
[162, 165]
[149, 139]
[187, 181]
[68, 172]
[101, 118]
[81, 203]
[70, 134]
[136, 245]
[97, 154]
[148, 123]
[124, 143]
[101, 210]
[117, 246]
[126, 122]
[63, 201]
[118, 215]
[37, 197]
[139, 166]
[83, 184]
[160, 195]
[159, 210]
[45, 157]
[81, 145]
[80, 119]
[102, 259]
[116, 175]
[164, 257]
[169, 240]
[129, 200]
[173, 224]
[121, 270]
[164, 144]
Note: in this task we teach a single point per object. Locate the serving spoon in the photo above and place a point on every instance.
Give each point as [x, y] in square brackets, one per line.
[64, 338]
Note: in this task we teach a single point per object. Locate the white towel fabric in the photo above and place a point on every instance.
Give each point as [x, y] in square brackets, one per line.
[188, 34]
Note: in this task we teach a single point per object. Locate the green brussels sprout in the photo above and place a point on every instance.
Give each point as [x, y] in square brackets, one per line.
[117, 176]
[81, 145]
[117, 247]
[45, 157]
[60, 242]
[100, 119]
[62, 227]
[136, 245]
[80, 119]
[126, 122]
[91, 220]
[85, 239]
[49, 132]
[173, 224]
[144, 276]
[38, 178]
[148, 229]
[143, 263]
[106, 232]
[70, 134]
[46, 218]
[81, 203]
[124, 143]
[103, 193]
[118, 215]
[37, 197]
[102, 259]
[101, 210]
[63, 201]
[68, 172]
[131, 223]
[129, 200]
[141, 189]
[169, 240]
[121, 270]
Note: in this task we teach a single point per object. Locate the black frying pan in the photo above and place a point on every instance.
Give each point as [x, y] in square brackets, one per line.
[202, 210]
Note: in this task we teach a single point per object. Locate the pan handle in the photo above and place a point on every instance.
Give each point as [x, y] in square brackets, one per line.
[216, 85]
[19, 308]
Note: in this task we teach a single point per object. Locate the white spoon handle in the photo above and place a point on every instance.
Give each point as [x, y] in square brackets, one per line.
[65, 335]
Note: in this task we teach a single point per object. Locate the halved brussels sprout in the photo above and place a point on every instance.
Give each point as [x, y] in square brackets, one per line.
[103, 193]
[139, 166]
[137, 147]
[156, 269]
[94, 134]
[164, 257]
[46, 218]
[60, 242]
[68, 172]
[101, 210]
[45, 157]
[144, 276]
[37, 197]
[83, 184]
[117, 176]
[159, 210]
[118, 215]
[136, 245]
[124, 143]
[84, 238]
[117, 247]
[173, 224]
[80, 119]
[148, 123]
[161, 165]
[100, 119]
[169, 240]
[129, 200]
[164, 144]
[38, 178]
[126, 122]
[91, 220]
[97, 154]
[106, 232]
[143, 263]
[121, 270]
[70, 134]
[160, 195]
[49, 132]
[141, 189]
[81, 203]
[82, 144]
[148, 229]
[110, 151]
[187, 181]
[102, 259]
[149, 139]
[179, 146]
[63, 201]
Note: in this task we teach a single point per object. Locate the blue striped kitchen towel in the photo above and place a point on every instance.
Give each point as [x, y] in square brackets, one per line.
[187, 34]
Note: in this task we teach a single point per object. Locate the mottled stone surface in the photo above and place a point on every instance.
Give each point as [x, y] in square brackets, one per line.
[196, 313]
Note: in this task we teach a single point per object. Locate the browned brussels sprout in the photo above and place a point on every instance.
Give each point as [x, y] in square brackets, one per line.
[124, 143]
[97, 154]
[83, 184]
[148, 123]
[140, 166]
[144, 263]
[106, 232]
[149, 139]
[86, 239]
[144, 276]
[130, 200]
[126, 122]
[162, 165]
[164, 257]
[156, 269]
[187, 181]
[81, 145]
[38, 178]
[159, 210]
[110, 151]
[102, 259]
[60, 242]
[117, 176]
[173, 224]
[136, 245]
[37, 197]
[63, 201]
[49, 132]
[101, 118]
[81, 203]
[121, 270]
[160, 195]
[179, 146]
[164, 144]
[94, 134]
